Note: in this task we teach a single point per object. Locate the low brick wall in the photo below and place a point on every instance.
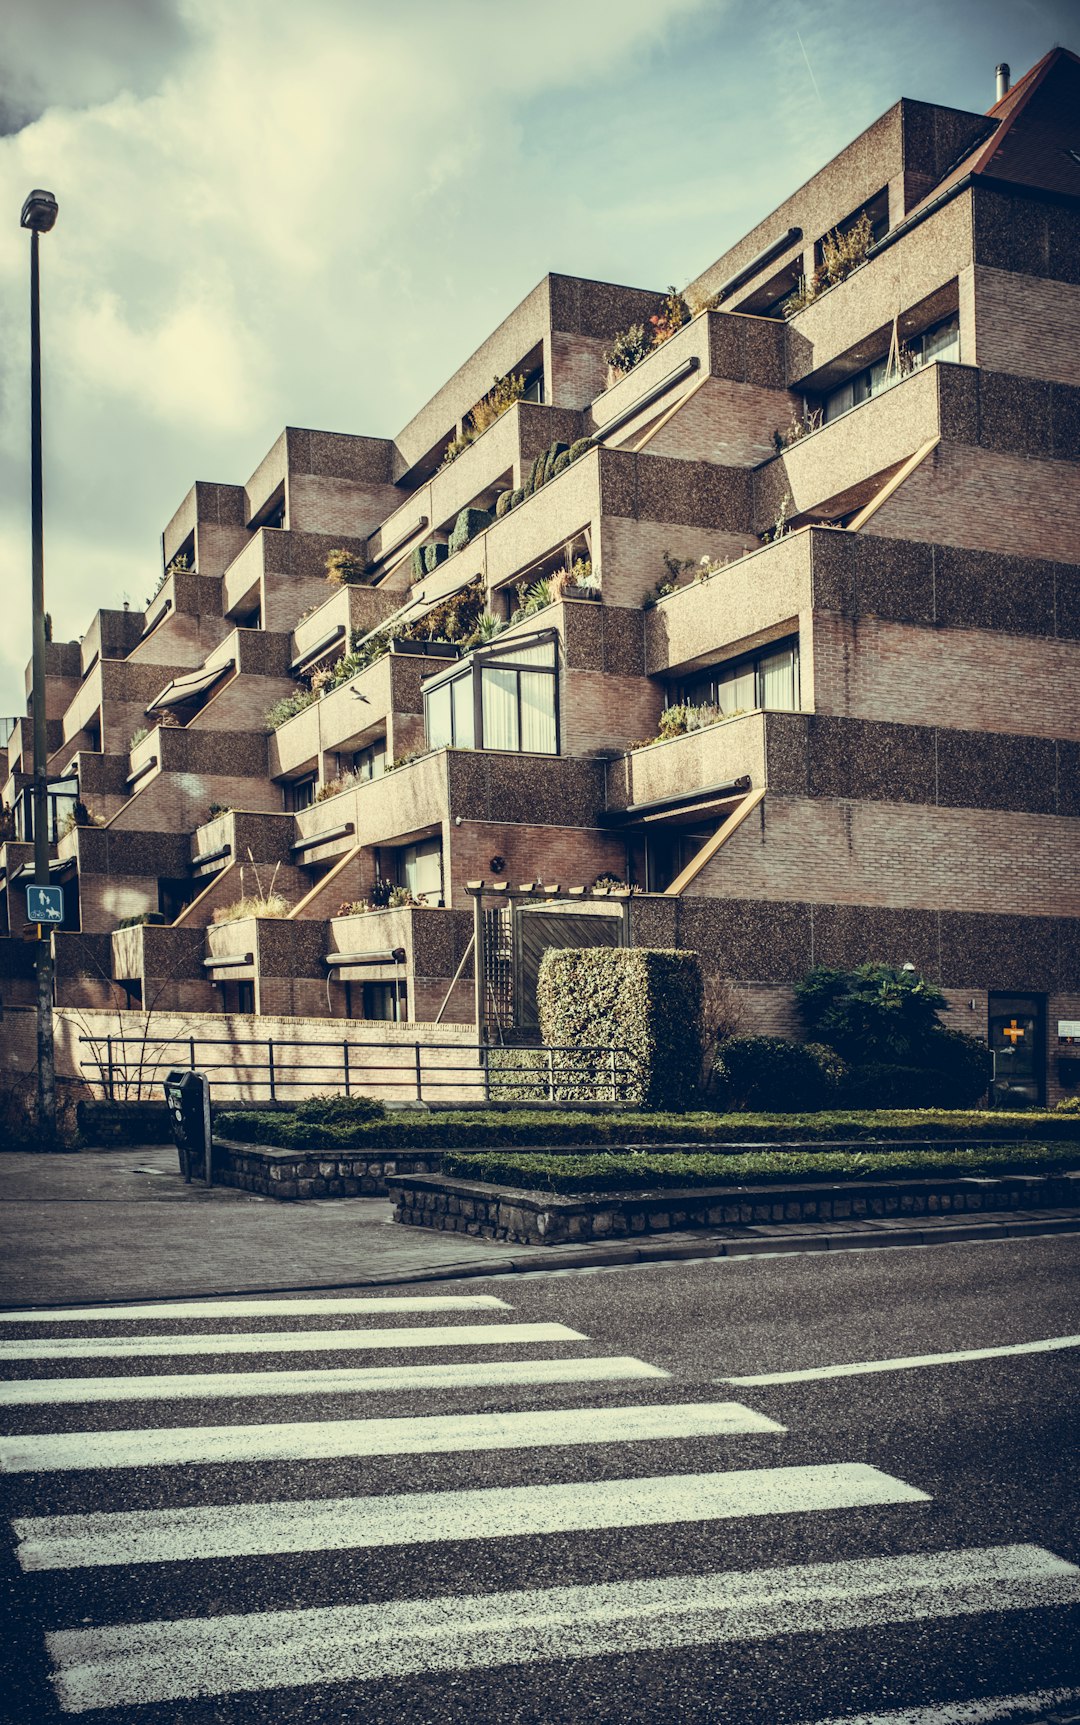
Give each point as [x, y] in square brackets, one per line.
[314, 1173]
[117, 1123]
[542, 1219]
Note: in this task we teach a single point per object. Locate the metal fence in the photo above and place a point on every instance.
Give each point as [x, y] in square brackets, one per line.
[130, 1068]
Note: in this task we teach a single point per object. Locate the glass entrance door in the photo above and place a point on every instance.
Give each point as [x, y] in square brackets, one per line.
[1017, 1026]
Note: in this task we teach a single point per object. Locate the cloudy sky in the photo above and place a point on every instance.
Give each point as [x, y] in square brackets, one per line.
[274, 213]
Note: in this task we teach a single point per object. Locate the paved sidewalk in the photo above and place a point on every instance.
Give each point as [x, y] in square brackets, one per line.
[122, 1225]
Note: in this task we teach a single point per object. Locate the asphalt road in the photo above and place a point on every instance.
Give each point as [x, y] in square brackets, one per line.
[896, 1545]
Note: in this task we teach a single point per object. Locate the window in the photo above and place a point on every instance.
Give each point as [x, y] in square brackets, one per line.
[369, 763]
[768, 678]
[942, 341]
[299, 793]
[504, 700]
[655, 859]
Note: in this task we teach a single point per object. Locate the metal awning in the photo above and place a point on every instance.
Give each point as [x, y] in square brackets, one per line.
[323, 838]
[389, 955]
[191, 687]
[228, 961]
[322, 645]
[686, 803]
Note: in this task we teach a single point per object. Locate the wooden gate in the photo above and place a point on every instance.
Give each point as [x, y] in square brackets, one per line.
[539, 928]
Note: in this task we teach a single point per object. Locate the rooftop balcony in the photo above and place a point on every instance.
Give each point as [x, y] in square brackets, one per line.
[111, 635]
[166, 964]
[112, 700]
[175, 774]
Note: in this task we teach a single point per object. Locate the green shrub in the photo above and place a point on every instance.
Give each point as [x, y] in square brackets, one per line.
[873, 1013]
[345, 568]
[580, 447]
[416, 563]
[469, 523]
[503, 504]
[953, 1072]
[338, 1111]
[644, 1002]
[628, 348]
[561, 460]
[534, 480]
[289, 706]
[767, 1072]
[518, 496]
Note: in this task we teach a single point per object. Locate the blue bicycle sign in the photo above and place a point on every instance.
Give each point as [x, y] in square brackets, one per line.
[45, 903]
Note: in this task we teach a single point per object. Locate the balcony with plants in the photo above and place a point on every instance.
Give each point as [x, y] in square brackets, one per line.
[280, 573]
[831, 470]
[725, 604]
[183, 619]
[478, 470]
[697, 749]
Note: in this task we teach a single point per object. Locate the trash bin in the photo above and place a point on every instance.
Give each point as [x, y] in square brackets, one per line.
[188, 1097]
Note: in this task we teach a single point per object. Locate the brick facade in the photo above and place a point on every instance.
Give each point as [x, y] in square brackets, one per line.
[915, 791]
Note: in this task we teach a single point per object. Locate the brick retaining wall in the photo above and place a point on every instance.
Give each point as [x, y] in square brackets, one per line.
[543, 1219]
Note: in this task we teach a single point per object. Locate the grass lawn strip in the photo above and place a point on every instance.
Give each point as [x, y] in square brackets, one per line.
[640, 1171]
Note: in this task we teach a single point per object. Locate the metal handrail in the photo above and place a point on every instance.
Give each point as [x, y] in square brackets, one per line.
[601, 1068]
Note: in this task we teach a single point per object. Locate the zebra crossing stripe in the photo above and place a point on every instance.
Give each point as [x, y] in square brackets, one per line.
[136, 1664]
[288, 1341]
[197, 1386]
[980, 1712]
[184, 1535]
[264, 1308]
[313, 1440]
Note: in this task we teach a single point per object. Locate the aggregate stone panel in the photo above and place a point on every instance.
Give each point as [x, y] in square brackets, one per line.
[787, 753]
[846, 935]
[1019, 232]
[853, 758]
[1064, 422]
[893, 578]
[1000, 952]
[991, 590]
[1014, 413]
[748, 938]
[995, 771]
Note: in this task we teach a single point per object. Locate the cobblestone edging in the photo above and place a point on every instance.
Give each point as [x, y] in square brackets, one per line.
[423, 1200]
[280, 1173]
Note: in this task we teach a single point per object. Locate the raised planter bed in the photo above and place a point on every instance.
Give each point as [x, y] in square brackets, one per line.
[293, 1174]
[543, 1219]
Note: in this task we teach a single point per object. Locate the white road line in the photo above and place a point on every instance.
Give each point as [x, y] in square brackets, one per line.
[315, 1440]
[136, 1664]
[979, 1712]
[902, 1365]
[264, 1308]
[288, 1341]
[194, 1386]
[426, 1517]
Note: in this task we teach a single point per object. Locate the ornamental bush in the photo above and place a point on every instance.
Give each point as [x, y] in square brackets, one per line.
[643, 1002]
[434, 554]
[767, 1072]
[416, 563]
[469, 523]
[580, 447]
[503, 504]
[871, 1014]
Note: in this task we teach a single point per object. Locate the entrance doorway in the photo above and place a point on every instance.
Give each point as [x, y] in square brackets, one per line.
[1017, 1037]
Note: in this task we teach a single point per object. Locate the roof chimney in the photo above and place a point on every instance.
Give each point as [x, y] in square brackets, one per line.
[1003, 81]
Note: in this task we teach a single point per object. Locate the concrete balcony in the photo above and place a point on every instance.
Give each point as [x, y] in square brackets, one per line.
[183, 621]
[284, 961]
[838, 468]
[916, 276]
[735, 369]
[382, 701]
[750, 602]
[112, 701]
[433, 943]
[498, 460]
[323, 635]
[166, 965]
[176, 774]
[280, 573]
[723, 754]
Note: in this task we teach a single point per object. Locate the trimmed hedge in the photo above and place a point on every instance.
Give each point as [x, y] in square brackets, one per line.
[768, 1072]
[434, 554]
[645, 1173]
[416, 563]
[475, 1129]
[469, 523]
[642, 1001]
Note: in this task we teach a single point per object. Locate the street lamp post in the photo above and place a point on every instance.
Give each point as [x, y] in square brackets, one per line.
[39, 215]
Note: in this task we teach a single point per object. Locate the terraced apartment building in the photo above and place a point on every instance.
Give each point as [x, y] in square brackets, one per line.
[762, 601]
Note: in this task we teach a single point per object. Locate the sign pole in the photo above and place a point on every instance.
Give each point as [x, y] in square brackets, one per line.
[46, 1090]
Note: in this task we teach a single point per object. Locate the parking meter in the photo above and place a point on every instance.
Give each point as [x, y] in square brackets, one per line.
[188, 1098]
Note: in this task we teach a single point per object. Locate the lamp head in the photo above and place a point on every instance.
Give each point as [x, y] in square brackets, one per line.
[39, 212]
